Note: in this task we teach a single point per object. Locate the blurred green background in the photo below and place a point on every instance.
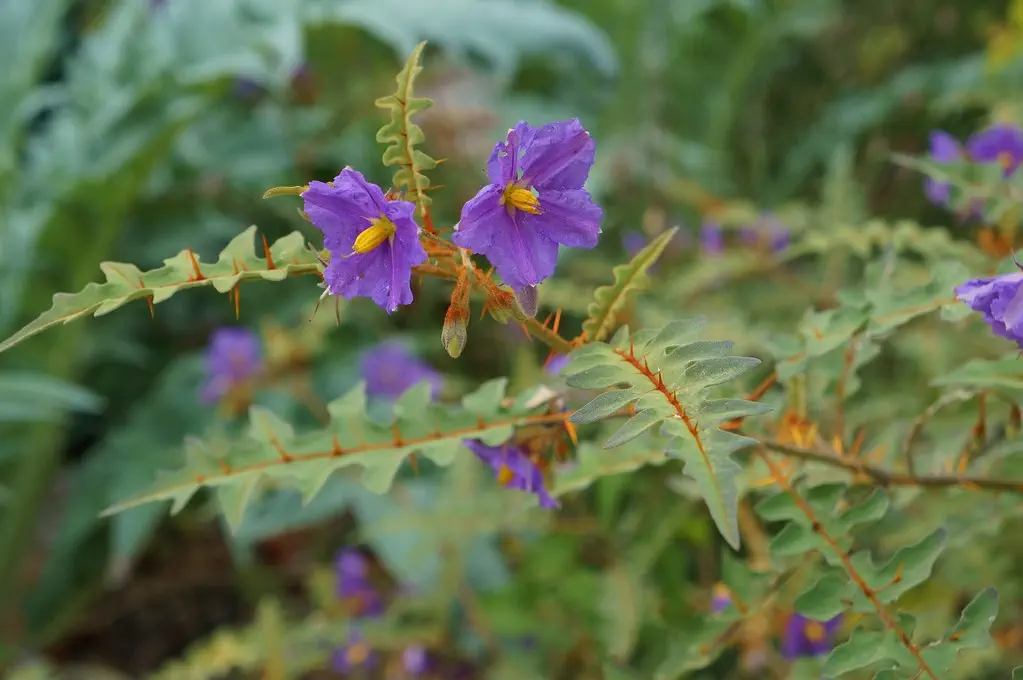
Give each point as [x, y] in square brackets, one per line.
[133, 129]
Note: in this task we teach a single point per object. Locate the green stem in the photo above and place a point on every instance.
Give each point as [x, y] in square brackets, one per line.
[40, 457]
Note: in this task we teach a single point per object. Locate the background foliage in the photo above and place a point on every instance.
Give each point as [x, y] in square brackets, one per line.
[871, 466]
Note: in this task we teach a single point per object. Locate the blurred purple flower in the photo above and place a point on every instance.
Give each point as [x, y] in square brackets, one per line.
[712, 238]
[373, 242]
[806, 637]
[514, 469]
[1002, 144]
[633, 242]
[944, 149]
[1000, 300]
[356, 653]
[555, 364]
[750, 236]
[534, 203]
[722, 597]
[415, 659]
[353, 586]
[390, 368]
[232, 358]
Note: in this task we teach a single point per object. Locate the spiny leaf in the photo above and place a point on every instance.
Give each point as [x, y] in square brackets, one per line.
[666, 374]
[126, 282]
[1004, 373]
[402, 134]
[304, 461]
[630, 277]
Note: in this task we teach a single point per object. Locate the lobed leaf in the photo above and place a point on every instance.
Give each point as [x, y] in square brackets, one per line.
[664, 375]
[272, 452]
[238, 262]
[402, 135]
[628, 278]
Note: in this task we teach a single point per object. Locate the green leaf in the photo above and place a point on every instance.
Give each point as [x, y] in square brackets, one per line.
[402, 135]
[971, 632]
[1004, 373]
[666, 374]
[628, 278]
[622, 609]
[27, 397]
[272, 450]
[238, 262]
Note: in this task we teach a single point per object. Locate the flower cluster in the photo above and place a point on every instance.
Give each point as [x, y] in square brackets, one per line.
[363, 601]
[1002, 144]
[534, 203]
[1000, 300]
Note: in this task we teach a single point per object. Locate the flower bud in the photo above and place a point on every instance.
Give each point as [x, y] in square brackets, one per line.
[455, 332]
[528, 299]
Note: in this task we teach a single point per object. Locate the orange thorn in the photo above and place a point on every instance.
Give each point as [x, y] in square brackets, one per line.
[397, 436]
[237, 301]
[266, 253]
[570, 428]
[547, 320]
[414, 463]
[195, 266]
[557, 320]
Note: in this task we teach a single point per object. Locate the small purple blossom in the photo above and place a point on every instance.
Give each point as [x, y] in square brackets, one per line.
[721, 598]
[353, 586]
[535, 201]
[232, 358]
[712, 238]
[390, 368]
[373, 242]
[1002, 144]
[514, 469]
[1000, 300]
[556, 363]
[944, 149]
[415, 659]
[806, 637]
[633, 242]
[356, 653]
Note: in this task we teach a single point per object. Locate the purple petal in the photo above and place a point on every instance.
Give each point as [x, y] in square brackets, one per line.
[415, 660]
[633, 242]
[944, 147]
[712, 238]
[476, 226]
[389, 369]
[503, 166]
[234, 356]
[995, 143]
[558, 156]
[570, 218]
[556, 363]
[937, 192]
[511, 460]
[522, 255]
[1000, 301]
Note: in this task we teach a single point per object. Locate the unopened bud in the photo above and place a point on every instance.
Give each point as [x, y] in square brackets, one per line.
[455, 332]
[528, 299]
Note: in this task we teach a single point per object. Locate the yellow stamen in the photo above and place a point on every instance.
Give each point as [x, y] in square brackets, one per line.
[1005, 160]
[815, 631]
[519, 198]
[505, 475]
[357, 654]
[721, 592]
[379, 231]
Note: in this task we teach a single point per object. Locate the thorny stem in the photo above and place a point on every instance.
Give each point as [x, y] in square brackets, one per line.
[843, 557]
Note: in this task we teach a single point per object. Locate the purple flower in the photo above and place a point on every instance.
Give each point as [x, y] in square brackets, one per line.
[944, 149]
[514, 469]
[356, 653]
[556, 363]
[415, 659]
[722, 597]
[712, 238]
[373, 242]
[633, 242]
[390, 368]
[750, 236]
[353, 586]
[1000, 300]
[535, 202]
[1002, 144]
[806, 637]
[232, 358]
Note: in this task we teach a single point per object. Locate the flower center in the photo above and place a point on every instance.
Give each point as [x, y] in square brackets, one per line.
[505, 475]
[378, 231]
[357, 653]
[815, 631]
[1005, 160]
[520, 198]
